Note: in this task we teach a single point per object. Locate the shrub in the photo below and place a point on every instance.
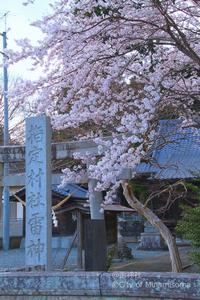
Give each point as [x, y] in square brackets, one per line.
[189, 225]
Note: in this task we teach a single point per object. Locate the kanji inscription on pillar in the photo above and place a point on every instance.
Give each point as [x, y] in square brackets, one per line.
[38, 192]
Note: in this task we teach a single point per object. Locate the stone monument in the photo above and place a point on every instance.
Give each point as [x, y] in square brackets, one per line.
[151, 239]
[38, 193]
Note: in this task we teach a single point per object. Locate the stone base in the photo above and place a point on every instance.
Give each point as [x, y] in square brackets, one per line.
[151, 241]
[99, 285]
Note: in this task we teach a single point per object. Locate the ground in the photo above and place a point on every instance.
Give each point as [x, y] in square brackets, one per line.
[15, 258]
[150, 261]
[155, 261]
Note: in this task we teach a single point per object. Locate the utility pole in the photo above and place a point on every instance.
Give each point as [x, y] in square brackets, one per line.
[6, 193]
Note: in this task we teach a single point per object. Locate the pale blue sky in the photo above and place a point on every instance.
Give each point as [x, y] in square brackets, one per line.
[18, 21]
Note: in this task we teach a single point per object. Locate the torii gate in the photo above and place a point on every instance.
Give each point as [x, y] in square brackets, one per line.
[38, 179]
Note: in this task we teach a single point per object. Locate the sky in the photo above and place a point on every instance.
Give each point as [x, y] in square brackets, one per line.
[18, 26]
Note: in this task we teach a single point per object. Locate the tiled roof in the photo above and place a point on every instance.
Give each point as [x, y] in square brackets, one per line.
[176, 154]
[70, 188]
[73, 189]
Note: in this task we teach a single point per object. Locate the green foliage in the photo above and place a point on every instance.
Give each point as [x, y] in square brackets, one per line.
[189, 225]
[119, 252]
[125, 252]
[140, 190]
[144, 48]
[98, 11]
[110, 254]
[104, 11]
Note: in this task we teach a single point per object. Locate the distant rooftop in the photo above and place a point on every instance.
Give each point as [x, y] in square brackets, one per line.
[176, 154]
[70, 189]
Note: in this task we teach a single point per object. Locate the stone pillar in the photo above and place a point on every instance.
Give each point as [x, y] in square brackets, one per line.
[95, 245]
[38, 193]
[120, 238]
[95, 232]
[79, 239]
[151, 239]
[95, 199]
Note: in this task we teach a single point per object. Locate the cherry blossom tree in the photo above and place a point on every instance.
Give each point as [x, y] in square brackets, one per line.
[115, 67]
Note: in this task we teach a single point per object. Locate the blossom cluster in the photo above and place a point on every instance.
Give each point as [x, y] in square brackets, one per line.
[117, 66]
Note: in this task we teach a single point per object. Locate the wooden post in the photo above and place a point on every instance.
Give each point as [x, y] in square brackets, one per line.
[69, 250]
[79, 240]
[24, 221]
